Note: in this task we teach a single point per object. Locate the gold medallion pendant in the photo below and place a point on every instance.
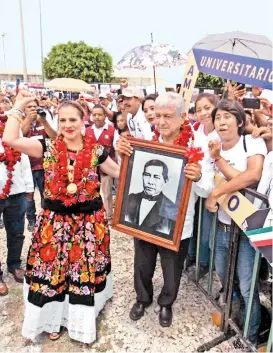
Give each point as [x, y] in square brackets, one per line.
[71, 188]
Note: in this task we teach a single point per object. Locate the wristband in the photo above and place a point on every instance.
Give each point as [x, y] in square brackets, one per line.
[217, 159]
[17, 111]
[196, 181]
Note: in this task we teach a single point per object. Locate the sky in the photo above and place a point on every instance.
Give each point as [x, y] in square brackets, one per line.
[120, 25]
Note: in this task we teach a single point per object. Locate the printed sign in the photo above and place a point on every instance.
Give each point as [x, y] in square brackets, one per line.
[251, 71]
[235, 205]
[189, 80]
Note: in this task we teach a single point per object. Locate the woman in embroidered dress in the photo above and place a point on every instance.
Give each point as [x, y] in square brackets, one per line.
[68, 276]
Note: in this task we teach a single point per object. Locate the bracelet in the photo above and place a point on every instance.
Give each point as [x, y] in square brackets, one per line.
[217, 159]
[17, 111]
[196, 181]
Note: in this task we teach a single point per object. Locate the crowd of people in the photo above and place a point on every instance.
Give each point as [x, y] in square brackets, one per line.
[71, 151]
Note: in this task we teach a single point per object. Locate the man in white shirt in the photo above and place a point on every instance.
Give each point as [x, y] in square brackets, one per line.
[170, 116]
[137, 123]
[13, 208]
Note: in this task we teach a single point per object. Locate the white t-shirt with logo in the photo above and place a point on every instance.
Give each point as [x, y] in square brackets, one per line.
[237, 157]
[139, 126]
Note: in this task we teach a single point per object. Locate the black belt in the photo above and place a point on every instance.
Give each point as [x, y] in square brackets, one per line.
[223, 226]
[80, 207]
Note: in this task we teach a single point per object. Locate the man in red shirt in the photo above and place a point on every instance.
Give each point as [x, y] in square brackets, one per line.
[102, 133]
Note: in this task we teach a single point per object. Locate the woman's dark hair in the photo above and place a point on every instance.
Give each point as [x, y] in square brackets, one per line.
[100, 106]
[150, 97]
[69, 103]
[234, 108]
[212, 98]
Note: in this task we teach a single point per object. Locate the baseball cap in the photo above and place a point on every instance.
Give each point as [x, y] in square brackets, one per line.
[102, 95]
[130, 92]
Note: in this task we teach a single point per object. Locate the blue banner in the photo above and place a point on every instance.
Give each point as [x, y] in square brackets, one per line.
[251, 71]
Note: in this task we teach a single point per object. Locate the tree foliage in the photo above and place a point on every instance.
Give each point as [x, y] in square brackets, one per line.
[78, 60]
[209, 81]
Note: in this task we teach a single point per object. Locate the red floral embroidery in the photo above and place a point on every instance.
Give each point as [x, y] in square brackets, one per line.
[10, 157]
[75, 253]
[48, 253]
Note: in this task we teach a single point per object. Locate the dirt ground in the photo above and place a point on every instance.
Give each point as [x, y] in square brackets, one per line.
[116, 332]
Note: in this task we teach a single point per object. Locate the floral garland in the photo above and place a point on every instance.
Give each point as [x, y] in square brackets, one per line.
[186, 139]
[85, 177]
[9, 157]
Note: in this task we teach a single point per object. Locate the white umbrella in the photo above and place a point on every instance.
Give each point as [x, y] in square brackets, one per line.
[152, 55]
[238, 43]
[68, 84]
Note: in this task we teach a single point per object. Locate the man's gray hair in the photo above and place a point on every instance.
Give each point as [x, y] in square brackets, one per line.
[171, 98]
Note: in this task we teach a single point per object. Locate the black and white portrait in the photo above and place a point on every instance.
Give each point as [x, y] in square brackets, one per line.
[152, 192]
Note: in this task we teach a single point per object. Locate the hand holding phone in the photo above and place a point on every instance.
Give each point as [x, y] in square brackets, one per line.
[251, 103]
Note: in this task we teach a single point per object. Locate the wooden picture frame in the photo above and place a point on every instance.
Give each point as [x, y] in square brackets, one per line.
[137, 171]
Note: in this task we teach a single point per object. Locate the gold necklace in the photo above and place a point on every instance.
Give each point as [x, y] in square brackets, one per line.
[72, 187]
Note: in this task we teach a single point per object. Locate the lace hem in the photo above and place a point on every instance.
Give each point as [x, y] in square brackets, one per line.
[80, 320]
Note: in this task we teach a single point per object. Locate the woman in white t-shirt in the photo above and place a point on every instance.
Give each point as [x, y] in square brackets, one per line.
[204, 132]
[238, 159]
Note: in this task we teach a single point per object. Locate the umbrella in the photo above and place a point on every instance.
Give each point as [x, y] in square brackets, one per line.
[68, 84]
[238, 43]
[152, 55]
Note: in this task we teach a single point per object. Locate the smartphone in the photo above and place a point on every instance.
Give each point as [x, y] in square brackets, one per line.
[241, 84]
[251, 103]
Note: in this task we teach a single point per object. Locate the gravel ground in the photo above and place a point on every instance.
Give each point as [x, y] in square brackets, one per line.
[192, 325]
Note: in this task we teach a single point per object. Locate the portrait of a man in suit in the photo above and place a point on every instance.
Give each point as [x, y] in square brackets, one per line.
[151, 208]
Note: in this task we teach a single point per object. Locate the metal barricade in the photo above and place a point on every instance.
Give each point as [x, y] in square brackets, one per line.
[228, 326]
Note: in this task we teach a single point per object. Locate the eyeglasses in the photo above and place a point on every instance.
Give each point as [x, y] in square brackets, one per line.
[5, 101]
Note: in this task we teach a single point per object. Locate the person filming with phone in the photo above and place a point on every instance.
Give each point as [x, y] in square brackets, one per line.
[35, 126]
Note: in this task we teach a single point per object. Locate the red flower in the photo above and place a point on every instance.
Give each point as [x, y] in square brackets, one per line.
[10, 157]
[48, 253]
[90, 187]
[194, 154]
[75, 253]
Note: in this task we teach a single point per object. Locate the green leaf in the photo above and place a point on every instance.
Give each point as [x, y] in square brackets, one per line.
[78, 60]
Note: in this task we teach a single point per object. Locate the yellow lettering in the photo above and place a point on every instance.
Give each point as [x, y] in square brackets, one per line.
[214, 61]
[224, 65]
[237, 66]
[266, 74]
[247, 68]
[242, 69]
[219, 62]
[230, 67]
[203, 61]
[259, 74]
[253, 72]
[209, 61]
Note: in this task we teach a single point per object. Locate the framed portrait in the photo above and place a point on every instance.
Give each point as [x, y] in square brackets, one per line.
[153, 194]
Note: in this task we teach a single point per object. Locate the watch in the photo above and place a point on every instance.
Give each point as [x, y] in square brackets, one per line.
[200, 176]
